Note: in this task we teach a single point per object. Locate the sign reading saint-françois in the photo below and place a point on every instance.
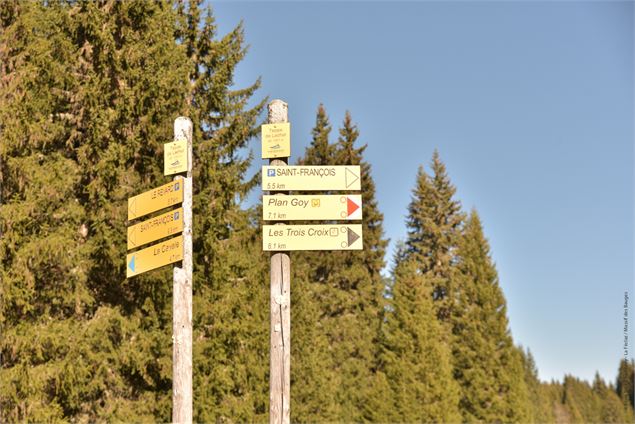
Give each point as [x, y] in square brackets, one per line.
[312, 237]
[155, 199]
[276, 140]
[311, 178]
[155, 256]
[175, 157]
[156, 228]
[309, 207]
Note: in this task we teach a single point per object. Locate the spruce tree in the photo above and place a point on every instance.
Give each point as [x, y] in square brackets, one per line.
[540, 404]
[434, 221]
[345, 289]
[90, 92]
[611, 409]
[415, 359]
[487, 365]
[624, 384]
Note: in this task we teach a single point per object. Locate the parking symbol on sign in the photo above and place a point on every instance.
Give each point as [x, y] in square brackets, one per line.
[271, 173]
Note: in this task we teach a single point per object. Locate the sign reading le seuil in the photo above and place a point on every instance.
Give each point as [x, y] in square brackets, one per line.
[175, 157]
[155, 256]
[155, 199]
[312, 237]
[308, 207]
[276, 140]
[311, 178]
[155, 228]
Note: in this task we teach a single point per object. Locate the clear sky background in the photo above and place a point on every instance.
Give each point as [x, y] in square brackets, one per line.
[530, 105]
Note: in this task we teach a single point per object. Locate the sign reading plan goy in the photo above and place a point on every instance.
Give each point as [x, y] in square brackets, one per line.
[312, 237]
[311, 178]
[308, 207]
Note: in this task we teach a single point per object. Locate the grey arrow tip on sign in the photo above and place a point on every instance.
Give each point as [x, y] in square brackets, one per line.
[350, 177]
[352, 236]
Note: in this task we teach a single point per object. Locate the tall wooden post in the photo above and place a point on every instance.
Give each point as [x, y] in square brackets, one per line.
[182, 296]
[280, 304]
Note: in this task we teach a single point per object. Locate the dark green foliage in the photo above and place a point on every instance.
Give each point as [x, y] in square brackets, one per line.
[415, 358]
[625, 382]
[487, 366]
[89, 95]
[342, 293]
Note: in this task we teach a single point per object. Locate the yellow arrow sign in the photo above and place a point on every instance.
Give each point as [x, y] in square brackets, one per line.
[155, 228]
[276, 140]
[155, 256]
[307, 207]
[155, 199]
[311, 178]
[312, 237]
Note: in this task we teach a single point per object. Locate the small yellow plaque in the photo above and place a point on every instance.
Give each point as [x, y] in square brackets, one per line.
[276, 140]
[312, 237]
[312, 207]
[154, 256]
[156, 228]
[175, 157]
[158, 198]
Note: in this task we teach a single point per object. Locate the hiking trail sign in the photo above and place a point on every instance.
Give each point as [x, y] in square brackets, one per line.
[312, 207]
[155, 256]
[153, 200]
[156, 228]
[312, 237]
[276, 140]
[311, 178]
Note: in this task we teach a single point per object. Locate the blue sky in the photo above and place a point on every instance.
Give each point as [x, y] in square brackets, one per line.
[530, 105]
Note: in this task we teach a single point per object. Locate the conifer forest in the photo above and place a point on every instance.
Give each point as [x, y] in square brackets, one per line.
[89, 91]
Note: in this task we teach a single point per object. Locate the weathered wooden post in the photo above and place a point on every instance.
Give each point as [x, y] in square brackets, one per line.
[182, 295]
[280, 303]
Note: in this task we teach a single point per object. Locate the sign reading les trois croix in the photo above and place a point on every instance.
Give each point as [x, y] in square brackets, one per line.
[311, 178]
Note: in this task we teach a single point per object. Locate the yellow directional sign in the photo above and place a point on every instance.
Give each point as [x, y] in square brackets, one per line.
[307, 207]
[311, 178]
[155, 199]
[155, 228]
[312, 237]
[155, 256]
[175, 157]
[276, 140]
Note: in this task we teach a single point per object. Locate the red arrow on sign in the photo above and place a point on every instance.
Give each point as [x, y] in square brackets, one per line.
[351, 206]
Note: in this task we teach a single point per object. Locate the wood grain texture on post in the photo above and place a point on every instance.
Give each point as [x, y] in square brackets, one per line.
[280, 304]
[182, 296]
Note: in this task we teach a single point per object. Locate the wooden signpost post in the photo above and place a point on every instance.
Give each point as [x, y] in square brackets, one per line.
[279, 206]
[177, 159]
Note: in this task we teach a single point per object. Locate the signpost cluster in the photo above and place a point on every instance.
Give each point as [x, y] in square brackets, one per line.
[171, 233]
[279, 207]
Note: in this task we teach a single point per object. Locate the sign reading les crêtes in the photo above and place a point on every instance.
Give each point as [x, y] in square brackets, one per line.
[175, 157]
[155, 256]
[311, 178]
[312, 237]
[308, 207]
[155, 199]
[276, 140]
[156, 228]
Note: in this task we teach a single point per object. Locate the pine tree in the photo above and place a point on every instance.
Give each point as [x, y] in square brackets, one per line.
[611, 409]
[487, 365]
[345, 290]
[434, 220]
[624, 385]
[90, 92]
[415, 359]
[540, 404]
[80, 105]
